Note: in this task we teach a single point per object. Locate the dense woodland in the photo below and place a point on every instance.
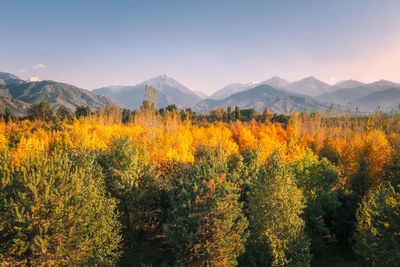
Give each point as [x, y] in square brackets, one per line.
[172, 188]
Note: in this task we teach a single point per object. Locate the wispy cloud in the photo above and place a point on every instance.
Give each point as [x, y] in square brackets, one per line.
[39, 66]
[22, 70]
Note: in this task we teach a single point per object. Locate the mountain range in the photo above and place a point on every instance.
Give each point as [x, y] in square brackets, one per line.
[18, 95]
[261, 96]
[169, 92]
[277, 94]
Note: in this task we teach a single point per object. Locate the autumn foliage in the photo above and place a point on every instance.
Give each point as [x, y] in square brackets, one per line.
[157, 173]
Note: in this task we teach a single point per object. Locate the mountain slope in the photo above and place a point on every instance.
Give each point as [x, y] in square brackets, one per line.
[232, 89]
[16, 107]
[308, 86]
[344, 96]
[169, 92]
[387, 99]
[276, 82]
[8, 78]
[57, 94]
[263, 96]
[347, 84]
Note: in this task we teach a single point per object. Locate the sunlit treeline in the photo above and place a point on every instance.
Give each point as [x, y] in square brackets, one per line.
[345, 142]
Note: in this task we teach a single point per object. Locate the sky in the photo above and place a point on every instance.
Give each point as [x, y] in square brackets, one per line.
[205, 45]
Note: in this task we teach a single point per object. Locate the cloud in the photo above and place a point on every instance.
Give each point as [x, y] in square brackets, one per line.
[39, 66]
[22, 70]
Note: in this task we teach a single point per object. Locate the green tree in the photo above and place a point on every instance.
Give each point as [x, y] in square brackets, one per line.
[317, 179]
[55, 212]
[64, 114]
[229, 111]
[360, 183]
[237, 113]
[41, 111]
[82, 111]
[277, 235]
[378, 228]
[205, 226]
[131, 178]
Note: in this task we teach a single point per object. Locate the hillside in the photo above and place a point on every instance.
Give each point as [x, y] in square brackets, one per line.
[344, 96]
[387, 99]
[57, 94]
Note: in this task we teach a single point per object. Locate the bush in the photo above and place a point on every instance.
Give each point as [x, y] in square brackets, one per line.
[55, 212]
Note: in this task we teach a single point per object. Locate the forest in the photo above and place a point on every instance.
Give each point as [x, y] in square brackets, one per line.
[169, 187]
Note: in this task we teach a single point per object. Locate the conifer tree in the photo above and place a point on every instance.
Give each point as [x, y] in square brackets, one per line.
[277, 235]
[55, 212]
[206, 226]
[378, 228]
[317, 178]
[132, 179]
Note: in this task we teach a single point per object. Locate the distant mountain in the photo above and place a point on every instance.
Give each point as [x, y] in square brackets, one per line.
[263, 96]
[57, 94]
[232, 89]
[169, 92]
[201, 94]
[387, 99]
[276, 82]
[347, 84]
[8, 78]
[344, 96]
[308, 86]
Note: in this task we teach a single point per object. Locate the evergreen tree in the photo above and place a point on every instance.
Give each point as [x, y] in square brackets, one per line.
[237, 113]
[317, 178]
[53, 211]
[361, 182]
[82, 111]
[132, 179]
[277, 235]
[41, 111]
[205, 226]
[378, 228]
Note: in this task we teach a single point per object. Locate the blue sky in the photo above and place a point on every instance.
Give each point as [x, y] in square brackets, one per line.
[203, 44]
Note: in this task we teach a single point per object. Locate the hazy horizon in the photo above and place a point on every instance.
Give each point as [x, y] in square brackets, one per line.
[204, 45]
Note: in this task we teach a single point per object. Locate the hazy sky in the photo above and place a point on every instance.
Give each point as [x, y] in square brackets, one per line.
[203, 44]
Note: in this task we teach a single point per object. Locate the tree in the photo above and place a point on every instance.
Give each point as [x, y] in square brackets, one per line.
[64, 114]
[172, 108]
[150, 98]
[360, 183]
[131, 178]
[54, 211]
[378, 228]
[317, 179]
[82, 111]
[277, 235]
[7, 114]
[237, 113]
[229, 111]
[41, 111]
[205, 226]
